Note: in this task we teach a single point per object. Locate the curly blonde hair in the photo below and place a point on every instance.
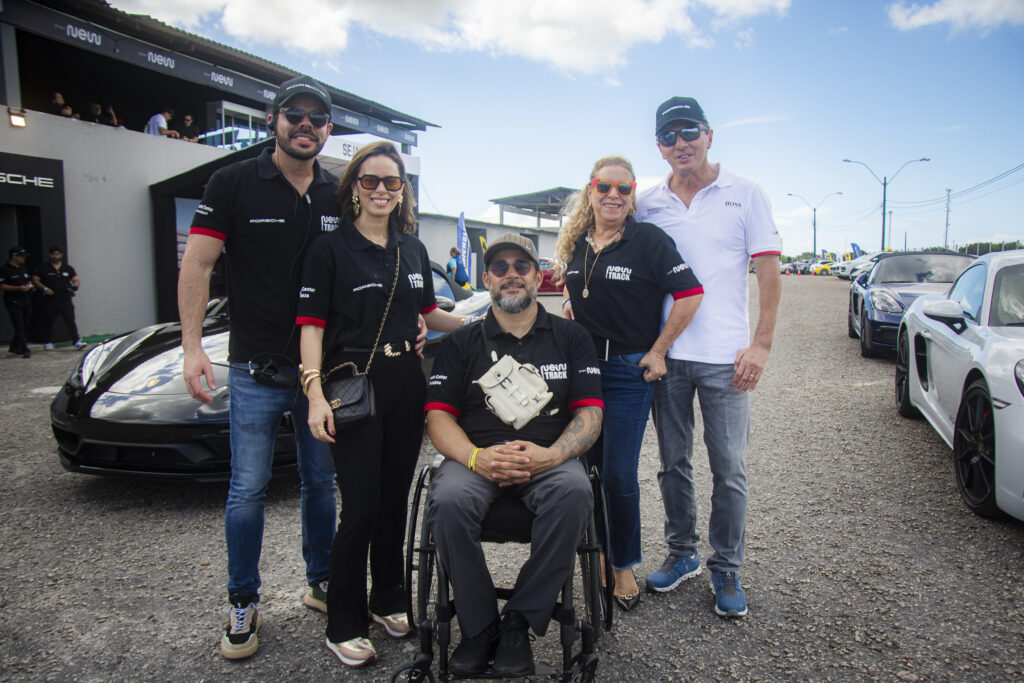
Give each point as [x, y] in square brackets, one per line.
[581, 214]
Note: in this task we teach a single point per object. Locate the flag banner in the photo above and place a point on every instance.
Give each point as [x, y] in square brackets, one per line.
[462, 240]
[857, 251]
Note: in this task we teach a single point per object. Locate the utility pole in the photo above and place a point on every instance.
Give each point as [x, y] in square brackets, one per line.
[884, 181]
[890, 228]
[945, 240]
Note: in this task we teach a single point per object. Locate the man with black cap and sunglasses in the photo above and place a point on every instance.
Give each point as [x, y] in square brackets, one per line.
[264, 213]
[489, 451]
[719, 221]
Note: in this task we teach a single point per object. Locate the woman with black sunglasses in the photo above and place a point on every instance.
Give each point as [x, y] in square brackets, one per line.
[364, 287]
[618, 274]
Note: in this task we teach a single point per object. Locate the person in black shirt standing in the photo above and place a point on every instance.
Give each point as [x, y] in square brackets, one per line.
[617, 274]
[16, 283]
[58, 282]
[265, 212]
[488, 455]
[364, 287]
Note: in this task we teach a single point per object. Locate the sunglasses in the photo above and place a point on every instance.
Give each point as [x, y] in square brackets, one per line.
[500, 268]
[668, 138]
[392, 183]
[317, 119]
[602, 186]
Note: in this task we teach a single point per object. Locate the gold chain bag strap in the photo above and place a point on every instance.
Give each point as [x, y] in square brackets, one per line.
[351, 398]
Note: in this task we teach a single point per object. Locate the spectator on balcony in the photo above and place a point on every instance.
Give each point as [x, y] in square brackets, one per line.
[98, 114]
[188, 129]
[158, 123]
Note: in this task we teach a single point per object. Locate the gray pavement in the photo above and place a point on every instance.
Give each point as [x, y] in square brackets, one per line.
[862, 563]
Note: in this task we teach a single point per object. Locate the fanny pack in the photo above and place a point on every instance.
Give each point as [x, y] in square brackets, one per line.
[515, 392]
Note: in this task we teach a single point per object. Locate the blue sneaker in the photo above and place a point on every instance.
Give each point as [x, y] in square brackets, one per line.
[674, 570]
[729, 598]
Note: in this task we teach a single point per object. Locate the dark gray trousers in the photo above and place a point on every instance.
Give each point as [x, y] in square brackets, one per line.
[562, 501]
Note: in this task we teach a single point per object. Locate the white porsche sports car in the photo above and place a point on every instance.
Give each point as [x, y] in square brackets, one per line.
[960, 363]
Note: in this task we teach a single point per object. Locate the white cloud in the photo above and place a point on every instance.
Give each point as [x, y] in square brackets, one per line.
[573, 36]
[837, 31]
[959, 14]
[744, 39]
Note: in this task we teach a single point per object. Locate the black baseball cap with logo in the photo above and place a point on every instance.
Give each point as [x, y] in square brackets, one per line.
[678, 109]
[16, 251]
[302, 85]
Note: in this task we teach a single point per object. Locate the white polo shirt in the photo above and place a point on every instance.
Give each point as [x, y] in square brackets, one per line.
[155, 123]
[727, 223]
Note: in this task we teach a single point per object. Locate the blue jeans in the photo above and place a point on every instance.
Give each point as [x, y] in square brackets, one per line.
[627, 404]
[256, 411]
[726, 414]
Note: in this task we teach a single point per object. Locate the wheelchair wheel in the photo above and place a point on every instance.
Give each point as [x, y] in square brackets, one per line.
[607, 592]
[594, 605]
[426, 586]
[412, 673]
[413, 558]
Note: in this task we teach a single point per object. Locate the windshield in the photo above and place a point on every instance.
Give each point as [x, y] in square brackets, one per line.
[920, 268]
[1008, 297]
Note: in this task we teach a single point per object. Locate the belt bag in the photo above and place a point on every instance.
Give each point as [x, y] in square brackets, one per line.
[351, 400]
[514, 391]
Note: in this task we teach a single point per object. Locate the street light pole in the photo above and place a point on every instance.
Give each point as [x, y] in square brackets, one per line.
[885, 185]
[814, 214]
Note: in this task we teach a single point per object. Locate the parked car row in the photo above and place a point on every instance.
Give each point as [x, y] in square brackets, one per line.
[957, 326]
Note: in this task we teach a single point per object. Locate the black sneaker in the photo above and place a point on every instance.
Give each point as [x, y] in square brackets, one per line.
[513, 656]
[473, 654]
[240, 638]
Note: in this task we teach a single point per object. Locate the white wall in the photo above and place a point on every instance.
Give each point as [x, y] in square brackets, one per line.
[438, 233]
[107, 174]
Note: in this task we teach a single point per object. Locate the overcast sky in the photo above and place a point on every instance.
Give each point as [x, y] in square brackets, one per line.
[529, 93]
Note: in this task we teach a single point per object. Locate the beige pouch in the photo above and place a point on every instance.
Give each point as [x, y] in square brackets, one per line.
[514, 391]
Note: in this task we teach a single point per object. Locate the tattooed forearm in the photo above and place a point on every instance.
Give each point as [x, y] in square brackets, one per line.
[580, 434]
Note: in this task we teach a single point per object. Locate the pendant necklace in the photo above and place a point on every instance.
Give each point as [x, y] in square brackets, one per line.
[591, 242]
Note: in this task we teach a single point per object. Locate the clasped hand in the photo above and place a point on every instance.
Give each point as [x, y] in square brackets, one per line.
[514, 462]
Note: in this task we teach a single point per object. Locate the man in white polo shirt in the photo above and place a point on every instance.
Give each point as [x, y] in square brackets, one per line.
[719, 221]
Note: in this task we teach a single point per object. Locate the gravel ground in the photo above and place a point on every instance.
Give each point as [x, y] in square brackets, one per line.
[862, 564]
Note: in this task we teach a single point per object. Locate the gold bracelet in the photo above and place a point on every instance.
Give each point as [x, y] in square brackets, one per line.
[309, 380]
[472, 460]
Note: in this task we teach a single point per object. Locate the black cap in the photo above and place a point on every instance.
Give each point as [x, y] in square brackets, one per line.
[302, 85]
[678, 109]
[16, 251]
[511, 240]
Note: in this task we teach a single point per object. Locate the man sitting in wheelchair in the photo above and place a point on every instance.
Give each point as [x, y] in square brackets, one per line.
[512, 402]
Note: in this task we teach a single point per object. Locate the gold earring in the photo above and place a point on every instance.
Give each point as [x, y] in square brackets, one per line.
[356, 208]
[400, 197]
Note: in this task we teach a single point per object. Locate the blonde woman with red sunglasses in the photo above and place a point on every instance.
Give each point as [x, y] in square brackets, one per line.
[617, 273]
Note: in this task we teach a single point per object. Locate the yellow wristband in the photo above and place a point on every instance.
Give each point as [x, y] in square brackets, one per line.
[472, 460]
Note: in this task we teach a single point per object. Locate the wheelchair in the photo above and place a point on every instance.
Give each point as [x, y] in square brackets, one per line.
[508, 521]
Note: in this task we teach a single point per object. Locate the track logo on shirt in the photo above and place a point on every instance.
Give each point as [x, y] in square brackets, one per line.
[306, 292]
[555, 371]
[416, 280]
[266, 220]
[678, 269]
[618, 273]
[590, 370]
[204, 209]
[329, 223]
[437, 380]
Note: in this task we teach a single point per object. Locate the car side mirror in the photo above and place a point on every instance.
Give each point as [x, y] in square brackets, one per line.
[445, 304]
[946, 311]
[862, 279]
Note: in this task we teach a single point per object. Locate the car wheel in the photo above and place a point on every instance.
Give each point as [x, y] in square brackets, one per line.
[849, 323]
[866, 350]
[974, 450]
[903, 405]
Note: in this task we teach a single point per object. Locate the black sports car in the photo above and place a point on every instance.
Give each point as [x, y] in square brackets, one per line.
[125, 410]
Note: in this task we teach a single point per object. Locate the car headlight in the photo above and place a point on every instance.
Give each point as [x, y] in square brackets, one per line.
[1018, 374]
[82, 374]
[885, 302]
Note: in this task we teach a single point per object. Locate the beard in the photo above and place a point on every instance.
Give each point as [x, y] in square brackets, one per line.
[515, 304]
[284, 144]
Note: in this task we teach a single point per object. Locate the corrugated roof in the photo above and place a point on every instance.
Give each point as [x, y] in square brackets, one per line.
[144, 27]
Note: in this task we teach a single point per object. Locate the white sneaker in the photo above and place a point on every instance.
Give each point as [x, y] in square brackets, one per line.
[79, 343]
[355, 652]
[396, 625]
[48, 346]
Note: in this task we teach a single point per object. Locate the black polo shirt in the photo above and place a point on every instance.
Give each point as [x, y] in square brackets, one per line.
[57, 279]
[346, 281]
[627, 284]
[559, 348]
[16, 277]
[266, 227]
